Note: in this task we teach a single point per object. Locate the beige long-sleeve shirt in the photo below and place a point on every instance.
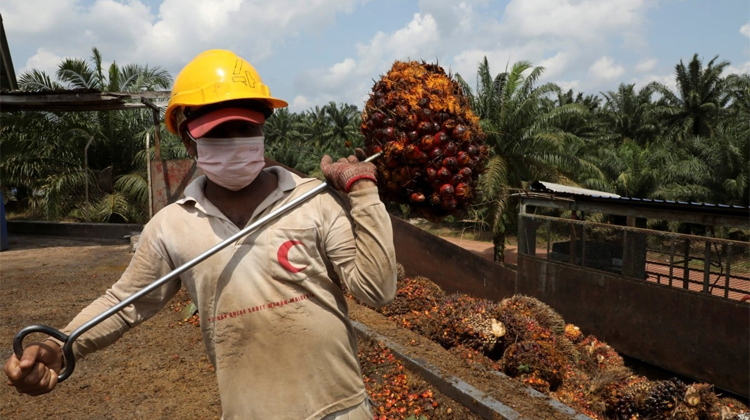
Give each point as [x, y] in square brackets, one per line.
[273, 316]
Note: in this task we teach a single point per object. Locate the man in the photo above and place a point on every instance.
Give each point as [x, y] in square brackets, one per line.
[273, 314]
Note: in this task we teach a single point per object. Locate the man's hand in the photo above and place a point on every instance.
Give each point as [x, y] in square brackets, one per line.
[343, 174]
[36, 372]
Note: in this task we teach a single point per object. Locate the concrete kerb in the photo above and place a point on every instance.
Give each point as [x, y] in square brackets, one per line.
[460, 391]
[465, 394]
[81, 230]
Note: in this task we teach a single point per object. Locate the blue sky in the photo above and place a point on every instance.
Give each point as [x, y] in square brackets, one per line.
[311, 52]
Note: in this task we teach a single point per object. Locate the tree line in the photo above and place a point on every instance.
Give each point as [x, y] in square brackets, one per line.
[688, 144]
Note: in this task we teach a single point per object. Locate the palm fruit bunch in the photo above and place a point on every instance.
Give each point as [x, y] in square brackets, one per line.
[573, 333]
[536, 309]
[575, 393]
[699, 402]
[663, 396]
[414, 294]
[536, 363]
[605, 387]
[629, 401]
[474, 358]
[433, 147]
[468, 321]
[597, 356]
[521, 327]
[732, 409]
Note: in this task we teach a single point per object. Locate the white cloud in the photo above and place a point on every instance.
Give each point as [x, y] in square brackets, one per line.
[667, 80]
[589, 21]
[556, 65]
[31, 17]
[254, 29]
[743, 68]
[575, 85]
[44, 61]
[645, 66]
[129, 31]
[416, 40]
[585, 45]
[605, 69]
[350, 80]
[299, 104]
[566, 37]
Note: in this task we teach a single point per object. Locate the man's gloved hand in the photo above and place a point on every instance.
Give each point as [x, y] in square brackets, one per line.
[344, 173]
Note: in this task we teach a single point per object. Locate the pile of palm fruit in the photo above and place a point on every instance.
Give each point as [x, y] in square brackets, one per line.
[432, 144]
[527, 340]
[389, 386]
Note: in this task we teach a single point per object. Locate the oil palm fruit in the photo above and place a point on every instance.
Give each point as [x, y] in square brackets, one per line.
[419, 117]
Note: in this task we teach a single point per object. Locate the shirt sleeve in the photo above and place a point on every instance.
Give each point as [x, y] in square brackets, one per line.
[366, 260]
[146, 266]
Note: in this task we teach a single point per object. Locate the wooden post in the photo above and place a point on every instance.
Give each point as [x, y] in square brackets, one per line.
[573, 239]
[728, 274]
[527, 232]
[157, 127]
[707, 267]
[686, 266]
[671, 260]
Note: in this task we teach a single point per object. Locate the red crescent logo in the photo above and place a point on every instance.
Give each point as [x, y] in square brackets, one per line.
[283, 256]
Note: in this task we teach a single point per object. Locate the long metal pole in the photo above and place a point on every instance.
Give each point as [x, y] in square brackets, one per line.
[68, 340]
[86, 166]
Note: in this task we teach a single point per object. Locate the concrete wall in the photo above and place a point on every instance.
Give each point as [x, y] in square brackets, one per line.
[695, 335]
[450, 266]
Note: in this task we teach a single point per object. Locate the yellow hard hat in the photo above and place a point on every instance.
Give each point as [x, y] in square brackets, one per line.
[216, 76]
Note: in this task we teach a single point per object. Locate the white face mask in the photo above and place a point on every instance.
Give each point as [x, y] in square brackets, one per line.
[232, 163]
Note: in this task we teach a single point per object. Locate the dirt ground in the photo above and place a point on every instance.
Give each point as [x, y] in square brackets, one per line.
[159, 370]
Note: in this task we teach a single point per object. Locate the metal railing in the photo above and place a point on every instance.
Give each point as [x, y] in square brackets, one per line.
[719, 267]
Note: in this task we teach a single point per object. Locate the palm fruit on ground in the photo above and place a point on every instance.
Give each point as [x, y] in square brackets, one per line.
[433, 147]
[538, 364]
[394, 393]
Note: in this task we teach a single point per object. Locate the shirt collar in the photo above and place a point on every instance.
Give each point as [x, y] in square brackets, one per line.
[194, 192]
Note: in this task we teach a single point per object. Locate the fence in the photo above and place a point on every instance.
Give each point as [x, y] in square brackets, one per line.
[708, 265]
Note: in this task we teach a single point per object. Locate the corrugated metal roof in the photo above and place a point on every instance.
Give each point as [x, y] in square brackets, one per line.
[79, 100]
[557, 189]
[686, 203]
[543, 186]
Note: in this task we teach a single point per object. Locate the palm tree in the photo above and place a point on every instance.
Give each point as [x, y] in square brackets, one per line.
[698, 104]
[48, 148]
[286, 144]
[627, 114]
[526, 141]
[301, 140]
[342, 134]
